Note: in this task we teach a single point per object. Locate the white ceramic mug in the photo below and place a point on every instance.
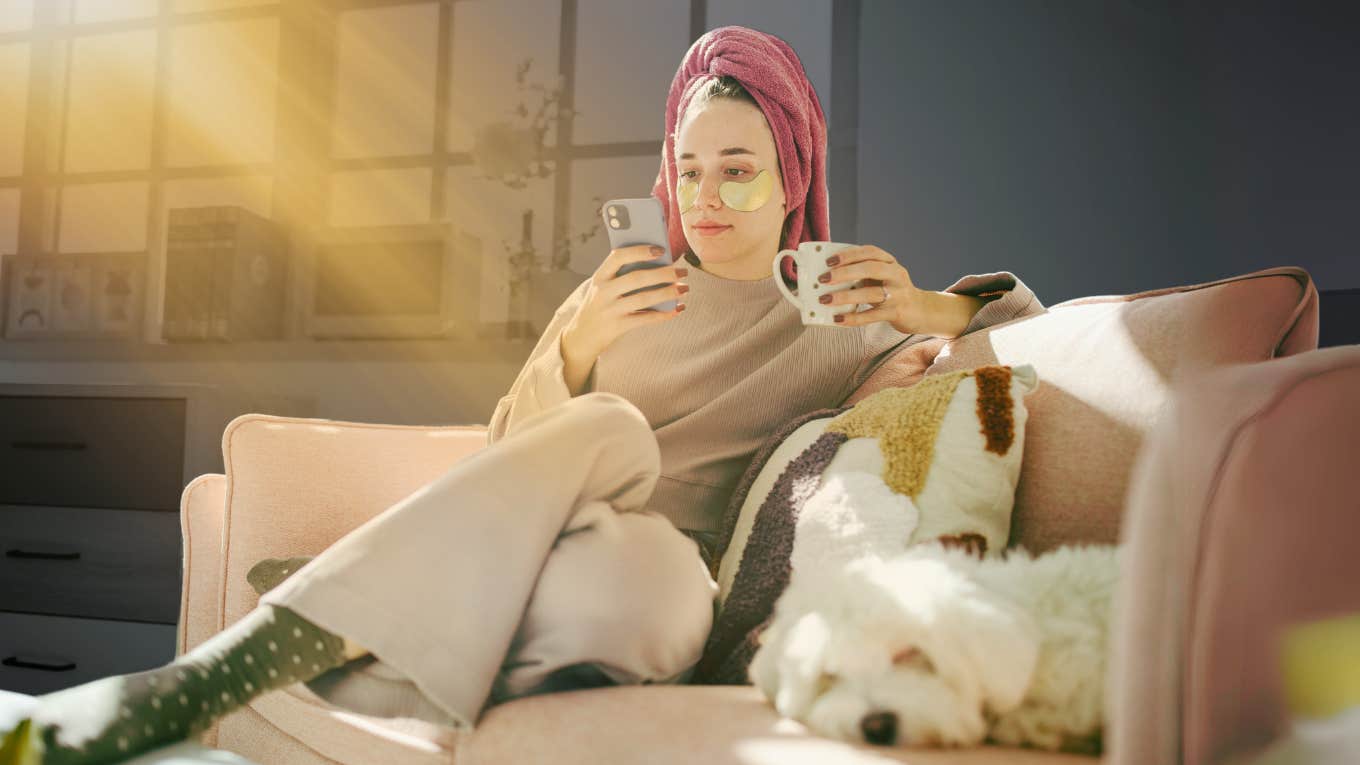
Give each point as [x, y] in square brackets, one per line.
[810, 258]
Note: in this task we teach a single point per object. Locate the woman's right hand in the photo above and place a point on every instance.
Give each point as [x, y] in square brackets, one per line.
[607, 314]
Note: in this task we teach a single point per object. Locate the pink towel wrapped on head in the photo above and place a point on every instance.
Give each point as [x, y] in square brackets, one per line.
[769, 69]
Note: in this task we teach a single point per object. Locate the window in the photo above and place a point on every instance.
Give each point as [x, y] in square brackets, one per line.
[123, 109]
[136, 95]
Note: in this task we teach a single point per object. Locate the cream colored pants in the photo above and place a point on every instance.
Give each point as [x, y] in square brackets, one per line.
[530, 566]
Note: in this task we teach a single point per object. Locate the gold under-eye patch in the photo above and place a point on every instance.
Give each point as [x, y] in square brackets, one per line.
[686, 192]
[747, 196]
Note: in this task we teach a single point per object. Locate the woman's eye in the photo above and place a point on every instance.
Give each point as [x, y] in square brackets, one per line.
[734, 171]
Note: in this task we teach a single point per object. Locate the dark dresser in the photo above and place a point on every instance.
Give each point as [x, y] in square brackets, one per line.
[90, 536]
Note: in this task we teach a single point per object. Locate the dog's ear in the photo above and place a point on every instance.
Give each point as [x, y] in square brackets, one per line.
[1000, 642]
[788, 667]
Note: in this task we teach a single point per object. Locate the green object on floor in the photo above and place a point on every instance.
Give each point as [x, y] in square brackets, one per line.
[18, 747]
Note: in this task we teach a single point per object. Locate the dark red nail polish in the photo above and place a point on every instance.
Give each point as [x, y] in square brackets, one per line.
[840, 318]
[824, 278]
[825, 299]
[833, 260]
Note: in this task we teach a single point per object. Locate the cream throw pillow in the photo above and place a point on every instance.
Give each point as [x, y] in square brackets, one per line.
[938, 459]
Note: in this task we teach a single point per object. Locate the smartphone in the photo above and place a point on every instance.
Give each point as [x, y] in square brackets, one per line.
[639, 221]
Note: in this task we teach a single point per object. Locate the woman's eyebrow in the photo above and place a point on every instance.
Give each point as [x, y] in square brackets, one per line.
[724, 153]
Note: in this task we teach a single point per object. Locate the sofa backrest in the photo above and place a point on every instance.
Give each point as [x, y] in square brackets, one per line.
[1105, 365]
[295, 485]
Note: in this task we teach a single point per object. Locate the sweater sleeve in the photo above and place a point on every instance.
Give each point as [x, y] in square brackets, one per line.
[541, 383]
[1007, 298]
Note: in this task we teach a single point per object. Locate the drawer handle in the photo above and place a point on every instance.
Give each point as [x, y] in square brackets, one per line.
[15, 661]
[17, 553]
[49, 445]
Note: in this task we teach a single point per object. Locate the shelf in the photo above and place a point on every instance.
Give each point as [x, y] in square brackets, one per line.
[421, 351]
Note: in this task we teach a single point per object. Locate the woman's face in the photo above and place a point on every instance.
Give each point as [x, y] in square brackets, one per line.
[723, 141]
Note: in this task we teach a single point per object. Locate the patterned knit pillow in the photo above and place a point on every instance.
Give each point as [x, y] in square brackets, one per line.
[937, 460]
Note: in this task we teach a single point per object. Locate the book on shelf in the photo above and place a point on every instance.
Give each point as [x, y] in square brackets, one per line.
[224, 272]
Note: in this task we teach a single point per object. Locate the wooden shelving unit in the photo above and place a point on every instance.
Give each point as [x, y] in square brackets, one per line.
[421, 351]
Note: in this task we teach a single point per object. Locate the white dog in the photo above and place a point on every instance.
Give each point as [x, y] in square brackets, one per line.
[934, 646]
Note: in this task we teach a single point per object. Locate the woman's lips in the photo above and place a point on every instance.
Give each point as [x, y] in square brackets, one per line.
[710, 230]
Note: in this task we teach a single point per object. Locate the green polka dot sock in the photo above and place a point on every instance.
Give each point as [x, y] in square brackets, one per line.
[114, 718]
[270, 572]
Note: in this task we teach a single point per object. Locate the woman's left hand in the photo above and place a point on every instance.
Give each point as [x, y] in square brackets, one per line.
[882, 276]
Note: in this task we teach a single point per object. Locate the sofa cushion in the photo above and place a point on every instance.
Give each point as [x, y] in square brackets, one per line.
[1107, 363]
[937, 460]
[715, 725]
[294, 715]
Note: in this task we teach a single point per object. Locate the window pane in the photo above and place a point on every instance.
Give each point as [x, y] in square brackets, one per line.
[612, 178]
[112, 86]
[380, 197]
[47, 226]
[223, 83]
[191, 6]
[9, 221]
[490, 41]
[624, 67]
[494, 213]
[113, 10]
[16, 15]
[103, 217]
[14, 105]
[384, 100]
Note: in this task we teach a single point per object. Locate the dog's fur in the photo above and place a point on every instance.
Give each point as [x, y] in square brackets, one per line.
[934, 646]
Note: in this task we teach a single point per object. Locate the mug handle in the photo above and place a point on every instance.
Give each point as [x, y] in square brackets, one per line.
[779, 278]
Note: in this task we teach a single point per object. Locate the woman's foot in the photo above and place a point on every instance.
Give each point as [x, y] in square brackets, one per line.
[266, 574]
[114, 718]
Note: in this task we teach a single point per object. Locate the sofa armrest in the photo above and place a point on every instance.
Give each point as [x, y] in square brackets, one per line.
[292, 486]
[1241, 521]
[201, 508]
[200, 517]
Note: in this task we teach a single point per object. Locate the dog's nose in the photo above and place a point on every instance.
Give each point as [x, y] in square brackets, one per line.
[879, 727]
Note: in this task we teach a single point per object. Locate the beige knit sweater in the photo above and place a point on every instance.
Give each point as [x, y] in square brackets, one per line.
[715, 381]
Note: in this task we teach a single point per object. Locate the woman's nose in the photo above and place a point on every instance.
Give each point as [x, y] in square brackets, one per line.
[708, 193]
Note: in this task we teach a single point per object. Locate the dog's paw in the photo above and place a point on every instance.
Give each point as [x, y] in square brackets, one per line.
[788, 666]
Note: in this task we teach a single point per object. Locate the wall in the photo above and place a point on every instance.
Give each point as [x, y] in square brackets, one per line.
[1112, 147]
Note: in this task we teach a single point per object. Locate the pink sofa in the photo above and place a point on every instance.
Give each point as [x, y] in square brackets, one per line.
[1199, 423]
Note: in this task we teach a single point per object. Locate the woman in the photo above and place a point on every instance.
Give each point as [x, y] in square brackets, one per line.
[717, 380]
[551, 559]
